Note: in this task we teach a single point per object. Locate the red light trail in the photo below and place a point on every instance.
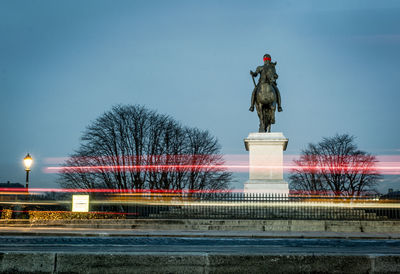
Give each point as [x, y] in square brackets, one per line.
[388, 170]
[386, 165]
[113, 190]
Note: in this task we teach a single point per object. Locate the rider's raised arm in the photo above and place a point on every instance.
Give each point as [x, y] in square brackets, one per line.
[258, 71]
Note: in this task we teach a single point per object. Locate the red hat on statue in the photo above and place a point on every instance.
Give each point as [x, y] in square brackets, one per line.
[267, 57]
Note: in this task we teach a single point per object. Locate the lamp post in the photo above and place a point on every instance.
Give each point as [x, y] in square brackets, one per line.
[27, 162]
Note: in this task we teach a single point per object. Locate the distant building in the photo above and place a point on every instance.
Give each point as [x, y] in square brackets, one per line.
[11, 185]
[391, 195]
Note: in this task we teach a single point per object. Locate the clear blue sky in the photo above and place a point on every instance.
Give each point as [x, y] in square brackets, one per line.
[63, 63]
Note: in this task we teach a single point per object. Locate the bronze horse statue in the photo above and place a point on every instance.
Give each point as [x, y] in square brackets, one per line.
[265, 95]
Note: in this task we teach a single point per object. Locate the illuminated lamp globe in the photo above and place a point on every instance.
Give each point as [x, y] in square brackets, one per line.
[28, 162]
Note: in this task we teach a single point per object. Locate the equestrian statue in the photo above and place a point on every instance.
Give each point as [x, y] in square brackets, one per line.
[266, 94]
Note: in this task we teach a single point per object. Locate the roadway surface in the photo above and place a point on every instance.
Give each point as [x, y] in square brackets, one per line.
[204, 244]
[97, 232]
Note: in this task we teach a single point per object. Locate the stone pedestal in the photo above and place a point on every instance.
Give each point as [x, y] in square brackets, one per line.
[266, 163]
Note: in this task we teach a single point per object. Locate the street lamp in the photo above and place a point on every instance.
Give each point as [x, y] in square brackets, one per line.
[27, 162]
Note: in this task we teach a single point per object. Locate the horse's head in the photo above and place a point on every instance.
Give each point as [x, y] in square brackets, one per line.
[271, 73]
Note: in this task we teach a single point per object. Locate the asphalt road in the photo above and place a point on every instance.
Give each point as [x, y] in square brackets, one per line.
[187, 244]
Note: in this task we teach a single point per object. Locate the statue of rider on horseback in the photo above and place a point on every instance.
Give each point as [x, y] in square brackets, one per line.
[266, 94]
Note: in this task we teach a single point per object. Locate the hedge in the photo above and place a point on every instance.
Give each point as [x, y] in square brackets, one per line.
[68, 215]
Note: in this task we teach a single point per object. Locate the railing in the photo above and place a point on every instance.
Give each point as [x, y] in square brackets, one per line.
[263, 206]
[213, 205]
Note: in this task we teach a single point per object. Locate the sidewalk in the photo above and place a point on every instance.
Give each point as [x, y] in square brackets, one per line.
[90, 232]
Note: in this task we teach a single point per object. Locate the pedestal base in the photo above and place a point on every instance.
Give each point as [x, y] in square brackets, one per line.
[266, 163]
[262, 186]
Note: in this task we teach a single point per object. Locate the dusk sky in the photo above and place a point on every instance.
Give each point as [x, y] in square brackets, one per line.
[64, 63]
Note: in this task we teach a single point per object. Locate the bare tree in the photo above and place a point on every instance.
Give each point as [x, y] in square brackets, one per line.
[335, 165]
[131, 147]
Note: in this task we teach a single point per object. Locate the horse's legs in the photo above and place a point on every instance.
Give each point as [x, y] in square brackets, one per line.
[261, 117]
[261, 128]
[267, 119]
